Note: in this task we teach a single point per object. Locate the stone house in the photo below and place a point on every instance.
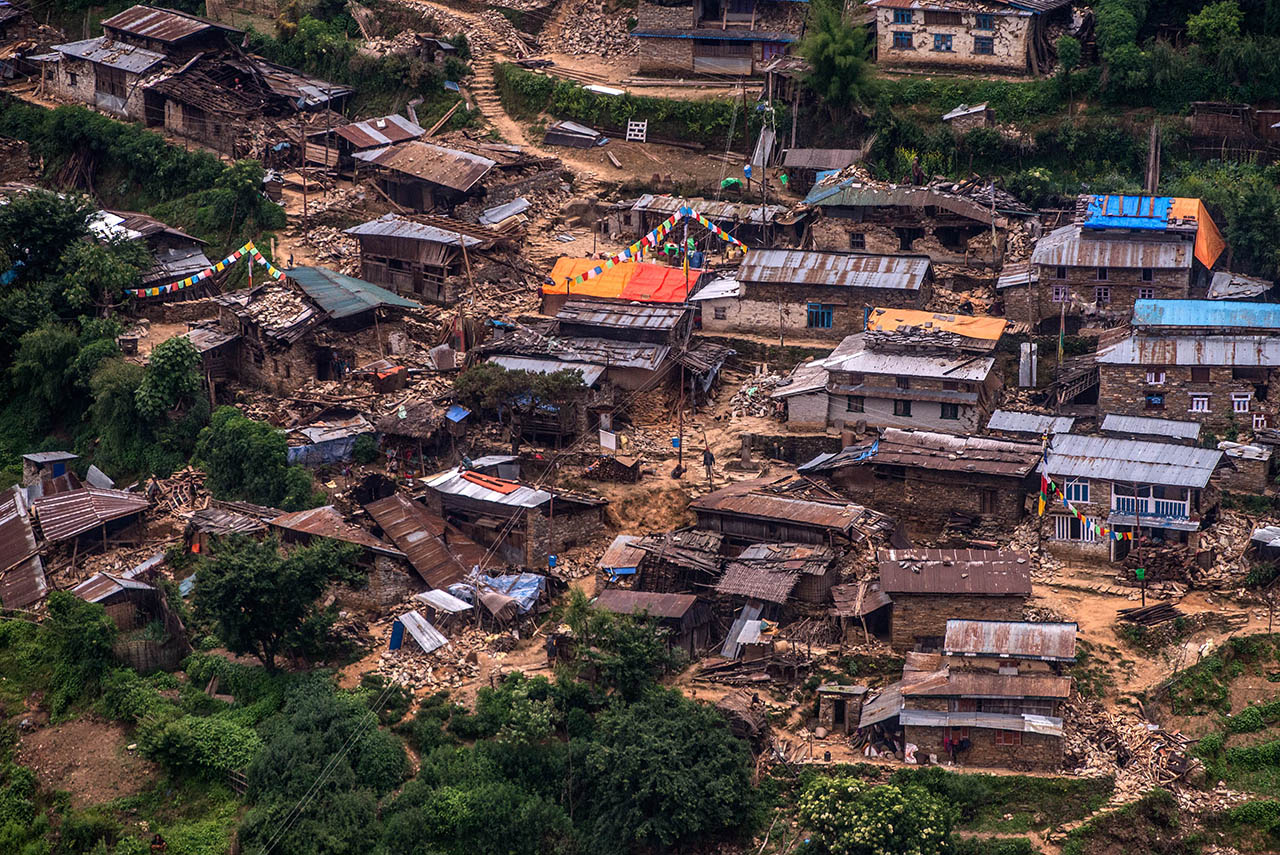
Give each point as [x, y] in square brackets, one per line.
[839, 707]
[964, 118]
[1154, 490]
[101, 73]
[777, 572]
[931, 586]
[909, 369]
[1150, 428]
[792, 293]
[523, 525]
[1250, 468]
[1203, 360]
[177, 35]
[1015, 424]
[421, 256]
[1121, 249]
[716, 37]
[972, 36]
[749, 512]
[862, 215]
[931, 481]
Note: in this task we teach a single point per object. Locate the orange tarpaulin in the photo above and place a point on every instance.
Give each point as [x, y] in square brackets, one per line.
[489, 482]
[630, 280]
[1209, 241]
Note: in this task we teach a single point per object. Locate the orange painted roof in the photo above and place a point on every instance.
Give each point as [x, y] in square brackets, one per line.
[888, 320]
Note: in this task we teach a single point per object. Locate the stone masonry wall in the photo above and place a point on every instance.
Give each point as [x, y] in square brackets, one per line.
[917, 616]
[926, 499]
[1038, 752]
[1009, 42]
[1125, 284]
[1124, 389]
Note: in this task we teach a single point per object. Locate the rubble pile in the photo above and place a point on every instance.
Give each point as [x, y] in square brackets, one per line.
[597, 32]
[1139, 754]
[450, 666]
[753, 398]
[334, 249]
[182, 491]
[1026, 536]
[519, 44]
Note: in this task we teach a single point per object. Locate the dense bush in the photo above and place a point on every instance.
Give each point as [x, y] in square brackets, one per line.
[247, 459]
[851, 817]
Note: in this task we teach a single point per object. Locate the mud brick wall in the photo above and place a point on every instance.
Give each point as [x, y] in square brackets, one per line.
[1250, 476]
[796, 448]
[764, 308]
[652, 16]
[835, 233]
[1038, 752]
[1123, 389]
[918, 616]
[551, 537]
[1009, 42]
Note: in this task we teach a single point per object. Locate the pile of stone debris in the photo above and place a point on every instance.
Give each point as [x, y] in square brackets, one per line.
[1140, 755]
[594, 31]
[754, 397]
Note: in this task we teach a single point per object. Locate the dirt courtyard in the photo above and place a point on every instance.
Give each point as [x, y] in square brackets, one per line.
[88, 759]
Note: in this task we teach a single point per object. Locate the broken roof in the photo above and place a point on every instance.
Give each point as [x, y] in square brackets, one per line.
[1157, 214]
[1235, 350]
[379, 132]
[221, 521]
[729, 213]
[968, 572]
[447, 167]
[439, 552]
[112, 54]
[208, 338]
[747, 499]
[972, 684]
[277, 311]
[857, 599]
[861, 357]
[836, 269]
[624, 316]
[935, 451]
[65, 515]
[622, 554]
[1233, 286]
[964, 110]
[421, 631]
[343, 296]
[432, 229]
[1131, 460]
[163, 25]
[1147, 426]
[623, 602]
[1036, 424]
[100, 586]
[1050, 642]
[22, 580]
[1068, 246]
[328, 522]
[469, 484]
[854, 192]
[820, 158]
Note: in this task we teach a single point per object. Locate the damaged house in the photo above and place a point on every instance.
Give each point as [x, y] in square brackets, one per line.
[336, 148]
[972, 35]
[749, 512]
[933, 481]
[909, 369]
[521, 525]
[1150, 490]
[632, 282]
[715, 37]
[1121, 249]
[176, 254]
[688, 620]
[776, 573]
[803, 294]
[421, 176]
[749, 223]
[1202, 360]
[863, 215]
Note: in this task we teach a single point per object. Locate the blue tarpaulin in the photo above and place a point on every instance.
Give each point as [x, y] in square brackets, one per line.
[319, 453]
[457, 413]
[1128, 212]
[524, 588]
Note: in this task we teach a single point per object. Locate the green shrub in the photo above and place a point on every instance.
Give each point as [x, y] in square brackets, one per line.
[365, 450]
[1210, 746]
[200, 744]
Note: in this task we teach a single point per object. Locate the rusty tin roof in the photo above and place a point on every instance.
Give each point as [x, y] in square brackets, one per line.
[163, 25]
[624, 602]
[621, 315]
[973, 572]
[65, 515]
[835, 269]
[979, 684]
[447, 167]
[440, 553]
[328, 522]
[742, 500]
[1051, 642]
[375, 132]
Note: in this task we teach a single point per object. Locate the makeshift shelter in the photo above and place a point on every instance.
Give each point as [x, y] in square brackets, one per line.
[426, 636]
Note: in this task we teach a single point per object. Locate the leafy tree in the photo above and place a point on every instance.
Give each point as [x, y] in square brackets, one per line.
[1216, 25]
[35, 229]
[247, 459]
[53, 368]
[1068, 54]
[365, 450]
[493, 389]
[852, 817]
[76, 640]
[260, 599]
[462, 819]
[839, 58]
[94, 276]
[629, 652]
[664, 772]
[171, 381]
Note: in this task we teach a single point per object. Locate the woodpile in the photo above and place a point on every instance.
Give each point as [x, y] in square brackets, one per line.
[1151, 615]
[182, 491]
[1140, 755]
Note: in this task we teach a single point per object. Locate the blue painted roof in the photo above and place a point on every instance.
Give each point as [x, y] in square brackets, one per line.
[1205, 313]
[1128, 212]
[341, 295]
[457, 413]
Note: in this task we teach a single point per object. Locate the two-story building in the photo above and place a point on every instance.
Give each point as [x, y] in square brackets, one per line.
[1202, 360]
[908, 369]
[1120, 250]
[793, 293]
[986, 35]
[735, 37]
[1137, 489]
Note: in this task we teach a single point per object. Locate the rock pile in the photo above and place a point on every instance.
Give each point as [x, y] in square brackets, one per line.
[753, 398]
[593, 31]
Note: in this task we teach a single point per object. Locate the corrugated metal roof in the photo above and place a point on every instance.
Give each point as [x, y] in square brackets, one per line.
[495, 215]
[842, 270]
[983, 684]
[590, 373]
[208, 338]
[973, 572]
[1206, 313]
[717, 289]
[1025, 723]
[22, 579]
[723, 213]
[1036, 424]
[1131, 460]
[944, 452]
[1244, 451]
[852, 193]
[624, 316]
[213, 520]
[65, 515]
[328, 522]
[447, 167]
[1069, 247]
[103, 51]
[623, 602]
[820, 158]
[23, 584]
[163, 25]
[435, 549]
[773, 584]
[443, 601]
[965, 110]
[1052, 642]
[962, 366]
[50, 456]
[742, 499]
[343, 296]
[426, 635]
[858, 598]
[454, 482]
[100, 586]
[394, 225]
[377, 132]
[1241, 350]
[622, 553]
[1232, 286]
[1117, 423]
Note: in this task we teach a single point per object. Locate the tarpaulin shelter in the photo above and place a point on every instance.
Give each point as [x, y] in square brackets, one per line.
[631, 280]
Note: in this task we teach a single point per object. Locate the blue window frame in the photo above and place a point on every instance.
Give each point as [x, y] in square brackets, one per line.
[902, 16]
[1076, 490]
[984, 45]
[984, 22]
[902, 41]
[942, 42]
[820, 316]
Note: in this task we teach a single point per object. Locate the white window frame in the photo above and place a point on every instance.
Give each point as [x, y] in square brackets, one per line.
[1076, 490]
[1259, 421]
[1199, 404]
[1062, 529]
[1240, 402]
[1155, 378]
[1146, 293]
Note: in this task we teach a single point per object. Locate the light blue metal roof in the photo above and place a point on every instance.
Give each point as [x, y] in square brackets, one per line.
[343, 296]
[1205, 313]
[1128, 212]
[457, 413]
